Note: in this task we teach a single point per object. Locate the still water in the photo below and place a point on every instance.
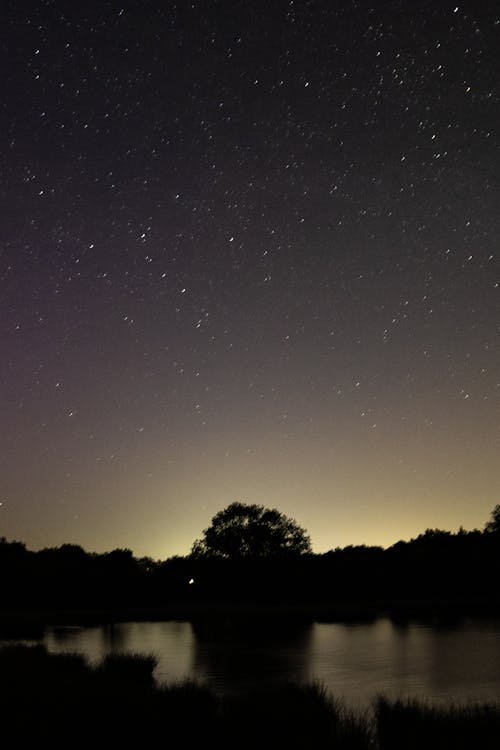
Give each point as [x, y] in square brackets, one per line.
[355, 661]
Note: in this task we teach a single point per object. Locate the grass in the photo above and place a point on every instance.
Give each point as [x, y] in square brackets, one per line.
[413, 725]
[293, 716]
[61, 701]
[128, 668]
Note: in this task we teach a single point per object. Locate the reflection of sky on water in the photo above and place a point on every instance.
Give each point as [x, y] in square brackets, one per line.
[469, 659]
[355, 661]
[453, 664]
[91, 642]
[171, 642]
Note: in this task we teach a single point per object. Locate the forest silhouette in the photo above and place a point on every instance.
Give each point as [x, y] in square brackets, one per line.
[438, 571]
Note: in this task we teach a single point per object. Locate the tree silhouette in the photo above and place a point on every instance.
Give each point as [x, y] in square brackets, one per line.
[242, 530]
[493, 525]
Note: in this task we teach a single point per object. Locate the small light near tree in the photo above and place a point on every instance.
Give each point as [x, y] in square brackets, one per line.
[191, 581]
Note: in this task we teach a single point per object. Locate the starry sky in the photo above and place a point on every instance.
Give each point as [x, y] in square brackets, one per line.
[249, 251]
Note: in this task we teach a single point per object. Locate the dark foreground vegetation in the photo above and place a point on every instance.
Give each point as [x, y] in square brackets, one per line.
[59, 701]
[439, 572]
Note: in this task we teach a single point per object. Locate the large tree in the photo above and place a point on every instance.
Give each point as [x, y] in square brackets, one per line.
[242, 530]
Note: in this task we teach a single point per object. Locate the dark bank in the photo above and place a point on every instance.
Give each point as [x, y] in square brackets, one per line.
[61, 701]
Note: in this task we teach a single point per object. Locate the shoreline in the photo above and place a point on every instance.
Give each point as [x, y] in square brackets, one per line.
[16, 622]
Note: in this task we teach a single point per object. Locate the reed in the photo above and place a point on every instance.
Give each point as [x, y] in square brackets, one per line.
[413, 724]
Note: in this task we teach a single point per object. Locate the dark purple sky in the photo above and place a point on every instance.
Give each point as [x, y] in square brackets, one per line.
[249, 251]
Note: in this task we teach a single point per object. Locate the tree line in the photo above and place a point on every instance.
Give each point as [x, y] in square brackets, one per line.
[255, 556]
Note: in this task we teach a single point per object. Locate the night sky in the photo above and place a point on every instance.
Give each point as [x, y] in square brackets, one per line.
[249, 251]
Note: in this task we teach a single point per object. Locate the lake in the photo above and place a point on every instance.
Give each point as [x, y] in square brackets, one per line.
[356, 661]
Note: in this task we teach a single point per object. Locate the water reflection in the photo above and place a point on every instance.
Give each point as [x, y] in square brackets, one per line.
[452, 664]
[356, 661]
[232, 655]
[91, 642]
[458, 658]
